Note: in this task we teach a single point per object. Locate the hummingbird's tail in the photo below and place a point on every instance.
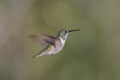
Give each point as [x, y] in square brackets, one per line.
[35, 56]
[39, 54]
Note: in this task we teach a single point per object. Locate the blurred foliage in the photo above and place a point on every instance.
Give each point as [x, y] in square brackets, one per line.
[91, 54]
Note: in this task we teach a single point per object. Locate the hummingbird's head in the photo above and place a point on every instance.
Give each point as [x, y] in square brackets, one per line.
[63, 33]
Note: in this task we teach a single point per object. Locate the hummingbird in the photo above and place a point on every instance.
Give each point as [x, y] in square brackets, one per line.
[52, 45]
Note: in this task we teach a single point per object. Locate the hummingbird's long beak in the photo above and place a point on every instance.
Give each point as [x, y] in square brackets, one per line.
[73, 30]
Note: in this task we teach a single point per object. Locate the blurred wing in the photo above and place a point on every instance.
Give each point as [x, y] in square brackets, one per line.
[43, 39]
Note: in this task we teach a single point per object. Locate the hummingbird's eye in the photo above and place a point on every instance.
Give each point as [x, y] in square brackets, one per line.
[65, 31]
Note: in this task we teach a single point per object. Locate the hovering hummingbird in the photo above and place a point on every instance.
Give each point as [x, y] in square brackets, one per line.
[52, 44]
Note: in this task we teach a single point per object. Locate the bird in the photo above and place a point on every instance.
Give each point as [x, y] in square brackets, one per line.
[52, 45]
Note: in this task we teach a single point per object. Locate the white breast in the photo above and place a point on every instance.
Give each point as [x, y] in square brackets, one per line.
[58, 48]
[62, 41]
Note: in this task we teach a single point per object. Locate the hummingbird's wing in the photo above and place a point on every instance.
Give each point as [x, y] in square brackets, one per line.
[43, 39]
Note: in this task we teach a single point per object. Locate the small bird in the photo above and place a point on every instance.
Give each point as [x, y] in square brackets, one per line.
[52, 44]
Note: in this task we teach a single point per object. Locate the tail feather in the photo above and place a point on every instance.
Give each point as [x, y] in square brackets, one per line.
[39, 54]
[34, 55]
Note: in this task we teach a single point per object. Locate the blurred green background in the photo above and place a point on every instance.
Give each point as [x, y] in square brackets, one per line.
[91, 54]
